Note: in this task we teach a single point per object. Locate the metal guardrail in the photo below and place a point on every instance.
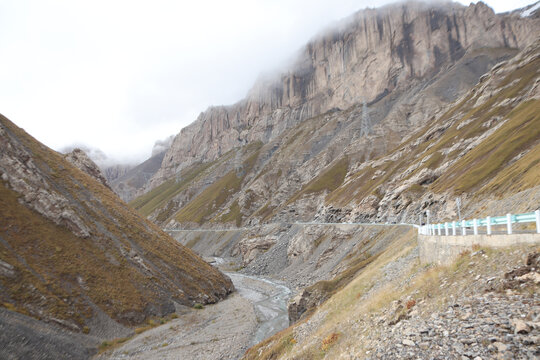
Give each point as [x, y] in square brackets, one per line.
[509, 219]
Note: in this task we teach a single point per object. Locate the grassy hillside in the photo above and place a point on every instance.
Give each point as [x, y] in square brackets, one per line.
[126, 266]
[214, 197]
[159, 196]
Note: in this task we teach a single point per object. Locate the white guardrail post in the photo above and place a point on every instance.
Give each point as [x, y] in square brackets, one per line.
[537, 216]
[488, 222]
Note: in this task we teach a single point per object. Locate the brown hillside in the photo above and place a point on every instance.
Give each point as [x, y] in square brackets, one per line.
[70, 248]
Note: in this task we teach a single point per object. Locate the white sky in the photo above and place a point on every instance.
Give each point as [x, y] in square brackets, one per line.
[119, 75]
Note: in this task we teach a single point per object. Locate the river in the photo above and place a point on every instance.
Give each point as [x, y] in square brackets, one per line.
[257, 310]
[269, 299]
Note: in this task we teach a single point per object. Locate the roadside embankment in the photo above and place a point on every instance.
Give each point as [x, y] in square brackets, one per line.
[444, 250]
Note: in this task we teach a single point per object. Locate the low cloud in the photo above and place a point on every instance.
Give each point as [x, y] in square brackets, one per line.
[119, 75]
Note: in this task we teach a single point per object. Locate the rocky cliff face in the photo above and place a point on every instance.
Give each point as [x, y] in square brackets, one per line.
[387, 159]
[72, 253]
[113, 172]
[370, 56]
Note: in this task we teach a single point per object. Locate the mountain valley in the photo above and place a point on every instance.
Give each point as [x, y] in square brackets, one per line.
[286, 225]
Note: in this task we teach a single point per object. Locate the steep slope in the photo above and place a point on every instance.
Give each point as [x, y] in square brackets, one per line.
[349, 163]
[370, 56]
[396, 307]
[485, 146]
[72, 253]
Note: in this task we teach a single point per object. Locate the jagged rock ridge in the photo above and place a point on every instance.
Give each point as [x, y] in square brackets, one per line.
[81, 160]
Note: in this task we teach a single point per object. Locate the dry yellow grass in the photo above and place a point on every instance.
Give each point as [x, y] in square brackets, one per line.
[425, 286]
[58, 274]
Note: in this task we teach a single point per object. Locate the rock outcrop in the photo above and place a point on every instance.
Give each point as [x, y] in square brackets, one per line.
[302, 303]
[79, 158]
[20, 172]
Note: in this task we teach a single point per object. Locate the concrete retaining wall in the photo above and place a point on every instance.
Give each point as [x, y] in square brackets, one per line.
[443, 250]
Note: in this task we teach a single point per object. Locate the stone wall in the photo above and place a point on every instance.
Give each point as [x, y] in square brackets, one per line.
[443, 250]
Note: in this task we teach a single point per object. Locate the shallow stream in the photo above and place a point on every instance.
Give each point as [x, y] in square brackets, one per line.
[269, 298]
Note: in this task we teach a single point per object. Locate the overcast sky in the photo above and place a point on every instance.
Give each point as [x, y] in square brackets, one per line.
[119, 75]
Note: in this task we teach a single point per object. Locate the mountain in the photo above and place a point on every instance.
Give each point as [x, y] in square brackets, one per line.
[485, 149]
[350, 132]
[370, 55]
[129, 184]
[78, 259]
[127, 181]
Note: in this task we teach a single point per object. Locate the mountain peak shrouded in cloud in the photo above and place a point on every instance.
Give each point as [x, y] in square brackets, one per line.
[162, 145]
[89, 72]
[96, 155]
[104, 161]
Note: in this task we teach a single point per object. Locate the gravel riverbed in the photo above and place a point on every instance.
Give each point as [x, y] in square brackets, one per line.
[224, 330]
